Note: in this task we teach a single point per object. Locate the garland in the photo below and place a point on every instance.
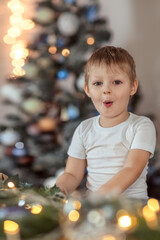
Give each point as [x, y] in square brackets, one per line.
[45, 213]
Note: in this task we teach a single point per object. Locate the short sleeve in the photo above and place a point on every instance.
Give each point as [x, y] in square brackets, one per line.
[76, 148]
[145, 136]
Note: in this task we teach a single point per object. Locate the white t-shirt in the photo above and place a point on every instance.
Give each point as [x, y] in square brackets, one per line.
[106, 149]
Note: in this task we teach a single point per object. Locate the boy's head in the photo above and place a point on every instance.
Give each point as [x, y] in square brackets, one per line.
[112, 56]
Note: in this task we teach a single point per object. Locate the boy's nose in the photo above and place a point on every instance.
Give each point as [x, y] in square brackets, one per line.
[106, 89]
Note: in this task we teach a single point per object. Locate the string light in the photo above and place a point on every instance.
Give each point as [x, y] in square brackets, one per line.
[153, 204]
[73, 216]
[52, 49]
[65, 52]
[11, 227]
[36, 209]
[90, 40]
[18, 52]
[11, 185]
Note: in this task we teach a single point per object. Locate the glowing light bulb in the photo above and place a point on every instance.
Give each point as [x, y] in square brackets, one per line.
[11, 185]
[11, 227]
[65, 52]
[153, 204]
[77, 205]
[18, 71]
[148, 214]
[15, 19]
[124, 221]
[8, 39]
[52, 49]
[18, 62]
[14, 32]
[11, 4]
[36, 209]
[73, 216]
[90, 41]
[27, 24]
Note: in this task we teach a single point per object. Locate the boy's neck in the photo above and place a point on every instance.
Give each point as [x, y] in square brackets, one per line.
[111, 122]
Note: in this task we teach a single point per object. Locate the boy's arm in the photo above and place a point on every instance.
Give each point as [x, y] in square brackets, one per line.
[133, 167]
[3, 176]
[72, 176]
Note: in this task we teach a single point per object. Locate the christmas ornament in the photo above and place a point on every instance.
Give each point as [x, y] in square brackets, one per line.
[33, 106]
[62, 74]
[68, 24]
[19, 150]
[12, 93]
[31, 70]
[73, 112]
[9, 137]
[44, 15]
[47, 124]
[91, 13]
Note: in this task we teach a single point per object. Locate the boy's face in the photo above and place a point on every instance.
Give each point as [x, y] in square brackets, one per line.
[110, 89]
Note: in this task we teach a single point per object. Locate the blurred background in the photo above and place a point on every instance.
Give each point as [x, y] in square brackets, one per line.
[42, 103]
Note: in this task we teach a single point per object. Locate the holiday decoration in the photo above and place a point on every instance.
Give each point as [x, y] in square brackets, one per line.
[31, 213]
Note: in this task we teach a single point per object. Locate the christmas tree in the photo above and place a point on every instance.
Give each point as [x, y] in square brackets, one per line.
[48, 96]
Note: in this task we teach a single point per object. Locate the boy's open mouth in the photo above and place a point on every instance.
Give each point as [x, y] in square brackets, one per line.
[108, 103]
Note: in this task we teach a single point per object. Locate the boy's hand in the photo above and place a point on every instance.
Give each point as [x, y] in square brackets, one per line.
[3, 176]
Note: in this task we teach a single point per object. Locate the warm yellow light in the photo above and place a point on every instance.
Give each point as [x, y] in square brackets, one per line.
[124, 221]
[153, 204]
[8, 40]
[108, 237]
[19, 53]
[11, 184]
[18, 71]
[52, 49]
[27, 206]
[16, 7]
[148, 214]
[18, 62]
[27, 24]
[77, 205]
[15, 19]
[90, 41]
[73, 216]
[65, 52]
[19, 44]
[11, 227]
[14, 32]
[11, 4]
[36, 209]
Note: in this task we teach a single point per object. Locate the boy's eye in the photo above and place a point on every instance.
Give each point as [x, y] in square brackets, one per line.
[97, 83]
[117, 82]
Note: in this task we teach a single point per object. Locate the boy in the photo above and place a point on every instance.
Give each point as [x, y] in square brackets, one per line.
[116, 145]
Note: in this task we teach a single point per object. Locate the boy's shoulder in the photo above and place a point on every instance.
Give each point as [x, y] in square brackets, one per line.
[139, 120]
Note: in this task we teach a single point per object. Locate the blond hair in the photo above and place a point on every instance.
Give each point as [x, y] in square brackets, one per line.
[112, 56]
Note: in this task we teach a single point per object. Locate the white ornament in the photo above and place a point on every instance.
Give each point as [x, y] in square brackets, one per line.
[68, 24]
[9, 137]
[11, 93]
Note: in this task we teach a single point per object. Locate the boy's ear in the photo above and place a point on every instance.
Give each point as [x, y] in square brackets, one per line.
[86, 89]
[134, 87]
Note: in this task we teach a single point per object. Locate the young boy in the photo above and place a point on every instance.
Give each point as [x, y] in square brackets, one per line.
[116, 145]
